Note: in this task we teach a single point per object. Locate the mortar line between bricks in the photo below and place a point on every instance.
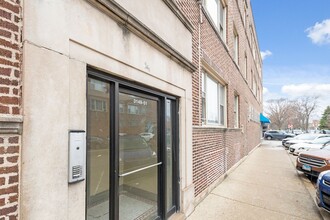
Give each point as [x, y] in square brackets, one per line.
[299, 217]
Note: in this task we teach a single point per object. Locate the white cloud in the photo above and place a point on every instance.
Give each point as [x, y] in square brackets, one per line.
[265, 90]
[305, 89]
[294, 81]
[285, 75]
[320, 32]
[265, 54]
[268, 94]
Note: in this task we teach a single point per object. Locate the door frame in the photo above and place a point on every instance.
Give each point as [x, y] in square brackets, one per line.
[116, 86]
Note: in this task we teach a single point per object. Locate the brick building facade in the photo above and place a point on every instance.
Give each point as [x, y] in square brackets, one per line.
[10, 107]
[218, 147]
[204, 90]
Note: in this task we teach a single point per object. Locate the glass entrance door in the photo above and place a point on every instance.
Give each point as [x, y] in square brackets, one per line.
[138, 157]
[132, 166]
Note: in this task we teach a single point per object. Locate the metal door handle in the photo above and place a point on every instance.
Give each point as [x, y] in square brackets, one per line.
[138, 170]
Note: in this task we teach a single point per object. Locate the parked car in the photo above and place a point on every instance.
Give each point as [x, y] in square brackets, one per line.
[314, 162]
[317, 144]
[285, 140]
[325, 131]
[279, 135]
[134, 153]
[297, 132]
[303, 138]
[323, 190]
[97, 142]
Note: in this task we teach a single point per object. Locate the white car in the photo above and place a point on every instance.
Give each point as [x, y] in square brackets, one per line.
[297, 132]
[304, 138]
[295, 149]
[147, 136]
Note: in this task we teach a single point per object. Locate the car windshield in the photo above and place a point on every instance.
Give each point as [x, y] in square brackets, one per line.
[132, 142]
[306, 137]
[321, 140]
[327, 147]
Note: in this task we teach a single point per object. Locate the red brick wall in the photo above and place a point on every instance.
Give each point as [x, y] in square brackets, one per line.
[9, 169]
[10, 106]
[191, 9]
[10, 57]
[208, 157]
[215, 150]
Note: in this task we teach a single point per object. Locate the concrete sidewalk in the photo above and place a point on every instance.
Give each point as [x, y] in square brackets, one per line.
[264, 186]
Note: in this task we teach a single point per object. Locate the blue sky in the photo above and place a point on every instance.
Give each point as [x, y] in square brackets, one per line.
[294, 38]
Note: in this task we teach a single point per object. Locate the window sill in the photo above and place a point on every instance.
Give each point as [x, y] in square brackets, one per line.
[224, 129]
[210, 126]
[213, 126]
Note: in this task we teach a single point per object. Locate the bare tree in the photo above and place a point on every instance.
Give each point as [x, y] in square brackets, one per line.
[297, 117]
[307, 106]
[279, 111]
[283, 112]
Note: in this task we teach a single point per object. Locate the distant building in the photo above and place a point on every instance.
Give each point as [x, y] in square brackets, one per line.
[315, 124]
[113, 109]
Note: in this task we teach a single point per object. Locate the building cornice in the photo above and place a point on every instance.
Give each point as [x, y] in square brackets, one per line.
[122, 16]
[175, 9]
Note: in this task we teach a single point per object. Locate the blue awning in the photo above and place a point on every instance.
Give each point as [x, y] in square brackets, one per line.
[264, 119]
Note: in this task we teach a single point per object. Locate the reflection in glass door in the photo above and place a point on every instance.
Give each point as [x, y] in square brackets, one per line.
[98, 150]
[138, 157]
[169, 155]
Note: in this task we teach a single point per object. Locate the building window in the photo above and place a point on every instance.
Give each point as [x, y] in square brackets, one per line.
[236, 112]
[217, 10]
[236, 46]
[251, 79]
[98, 105]
[98, 86]
[133, 110]
[253, 114]
[251, 37]
[213, 101]
[255, 86]
[244, 15]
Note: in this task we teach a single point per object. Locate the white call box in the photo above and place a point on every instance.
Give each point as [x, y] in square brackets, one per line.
[77, 156]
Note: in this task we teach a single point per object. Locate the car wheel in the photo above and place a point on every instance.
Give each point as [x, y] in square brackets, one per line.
[268, 137]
